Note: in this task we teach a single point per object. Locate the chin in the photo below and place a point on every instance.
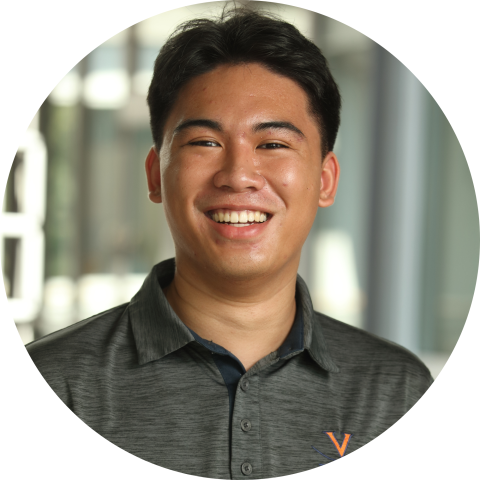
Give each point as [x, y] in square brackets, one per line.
[241, 267]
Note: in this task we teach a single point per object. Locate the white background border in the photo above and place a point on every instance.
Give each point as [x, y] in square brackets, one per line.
[42, 40]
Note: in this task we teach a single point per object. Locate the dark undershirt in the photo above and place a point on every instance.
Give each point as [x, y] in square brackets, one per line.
[232, 368]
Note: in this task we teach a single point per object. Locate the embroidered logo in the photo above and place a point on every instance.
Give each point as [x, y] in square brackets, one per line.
[340, 449]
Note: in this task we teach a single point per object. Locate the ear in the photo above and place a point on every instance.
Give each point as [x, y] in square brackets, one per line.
[152, 169]
[329, 180]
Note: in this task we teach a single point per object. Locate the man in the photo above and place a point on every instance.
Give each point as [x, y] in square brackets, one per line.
[219, 367]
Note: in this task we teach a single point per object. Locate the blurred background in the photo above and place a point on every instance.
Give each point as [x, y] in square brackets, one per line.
[397, 254]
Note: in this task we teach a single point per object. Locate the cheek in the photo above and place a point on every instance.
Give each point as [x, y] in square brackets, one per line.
[286, 174]
[174, 185]
[182, 180]
[296, 183]
[289, 177]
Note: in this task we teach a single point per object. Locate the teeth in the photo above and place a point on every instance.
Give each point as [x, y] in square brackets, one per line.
[239, 218]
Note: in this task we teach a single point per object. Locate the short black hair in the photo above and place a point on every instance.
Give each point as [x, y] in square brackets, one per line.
[240, 36]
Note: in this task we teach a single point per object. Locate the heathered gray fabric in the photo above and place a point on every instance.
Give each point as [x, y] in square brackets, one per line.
[136, 376]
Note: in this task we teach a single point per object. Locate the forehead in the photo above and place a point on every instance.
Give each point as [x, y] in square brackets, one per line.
[242, 94]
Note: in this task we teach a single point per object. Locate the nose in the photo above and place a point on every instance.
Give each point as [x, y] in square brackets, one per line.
[238, 172]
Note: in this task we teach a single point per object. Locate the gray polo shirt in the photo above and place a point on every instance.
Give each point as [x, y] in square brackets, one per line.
[141, 379]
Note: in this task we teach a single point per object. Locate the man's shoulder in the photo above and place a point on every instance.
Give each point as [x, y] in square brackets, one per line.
[86, 337]
[70, 359]
[353, 347]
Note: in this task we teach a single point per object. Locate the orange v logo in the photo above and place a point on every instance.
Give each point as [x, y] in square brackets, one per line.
[341, 449]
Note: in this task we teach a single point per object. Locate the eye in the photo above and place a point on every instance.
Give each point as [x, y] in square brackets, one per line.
[272, 146]
[204, 143]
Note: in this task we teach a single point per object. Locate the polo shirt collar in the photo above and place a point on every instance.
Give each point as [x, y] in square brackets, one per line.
[314, 340]
[158, 331]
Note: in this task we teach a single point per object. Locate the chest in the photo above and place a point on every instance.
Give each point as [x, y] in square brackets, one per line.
[285, 420]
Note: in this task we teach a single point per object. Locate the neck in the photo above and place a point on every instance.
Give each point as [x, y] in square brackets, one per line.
[248, 318]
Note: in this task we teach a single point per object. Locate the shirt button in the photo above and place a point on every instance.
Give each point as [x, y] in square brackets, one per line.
[245, 385]
[247, 469]
[246, 425]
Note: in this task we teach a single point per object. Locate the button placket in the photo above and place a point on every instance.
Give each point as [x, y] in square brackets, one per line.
[246, 448]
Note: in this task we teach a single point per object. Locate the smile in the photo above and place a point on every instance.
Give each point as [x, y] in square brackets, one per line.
[235, 218]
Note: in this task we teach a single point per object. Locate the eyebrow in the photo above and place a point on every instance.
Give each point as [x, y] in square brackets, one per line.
[198, 122]
[259, 127]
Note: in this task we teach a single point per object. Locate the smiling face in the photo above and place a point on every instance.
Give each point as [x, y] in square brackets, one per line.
[240, 173]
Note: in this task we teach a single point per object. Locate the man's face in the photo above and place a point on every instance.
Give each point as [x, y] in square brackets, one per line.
[240, 140]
